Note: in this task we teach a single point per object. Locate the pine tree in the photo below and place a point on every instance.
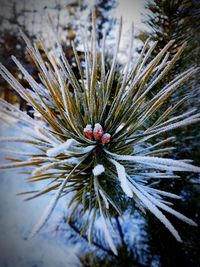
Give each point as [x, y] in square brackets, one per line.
[95, 143]
[104, 19]
[178, 20]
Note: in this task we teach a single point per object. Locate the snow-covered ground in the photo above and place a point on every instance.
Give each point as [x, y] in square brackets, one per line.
[51, 247]
[17, 217]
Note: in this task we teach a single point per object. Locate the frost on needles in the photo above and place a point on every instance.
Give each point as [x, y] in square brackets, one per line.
[92, 128]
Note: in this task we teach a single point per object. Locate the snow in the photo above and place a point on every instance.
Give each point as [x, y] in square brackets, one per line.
[98, 169]
[17, 218]
[59, 149]
[88, 128]
[122, 178]
[51, 247]
[153, 208]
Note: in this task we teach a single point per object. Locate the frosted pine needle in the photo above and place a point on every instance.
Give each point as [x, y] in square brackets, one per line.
[93, 129]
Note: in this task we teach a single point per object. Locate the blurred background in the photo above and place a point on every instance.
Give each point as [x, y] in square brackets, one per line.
[144, 241]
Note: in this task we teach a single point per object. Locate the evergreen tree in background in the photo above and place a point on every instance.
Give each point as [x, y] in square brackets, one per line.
[168, 20]
[178, 20]
[105, 20]
[32, 19]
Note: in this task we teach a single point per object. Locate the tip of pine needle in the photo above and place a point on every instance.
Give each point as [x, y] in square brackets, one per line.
[33, 233]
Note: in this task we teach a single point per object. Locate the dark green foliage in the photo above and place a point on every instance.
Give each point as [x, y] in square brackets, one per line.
[98, 140]
[179, 20]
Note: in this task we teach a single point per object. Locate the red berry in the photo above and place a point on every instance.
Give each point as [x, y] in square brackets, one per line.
[105, 138]
[88, 131]
[98, 131]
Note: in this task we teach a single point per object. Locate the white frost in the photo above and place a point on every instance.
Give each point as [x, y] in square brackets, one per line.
[152, 207]
[58, 149]
[122, 178]
[104, 198]
[160, 163]
[108, 235]
[88, 128]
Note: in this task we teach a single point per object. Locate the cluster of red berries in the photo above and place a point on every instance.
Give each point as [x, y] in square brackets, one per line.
[97, 133]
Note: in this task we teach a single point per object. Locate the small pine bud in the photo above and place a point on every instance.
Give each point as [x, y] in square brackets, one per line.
[98, 169]
[98, 131]
[88, 131]
[105, 138]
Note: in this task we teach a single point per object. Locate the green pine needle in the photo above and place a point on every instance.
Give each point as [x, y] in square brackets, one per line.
[98, 139]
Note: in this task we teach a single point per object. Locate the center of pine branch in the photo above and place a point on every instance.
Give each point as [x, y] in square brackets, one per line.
[97, 133]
